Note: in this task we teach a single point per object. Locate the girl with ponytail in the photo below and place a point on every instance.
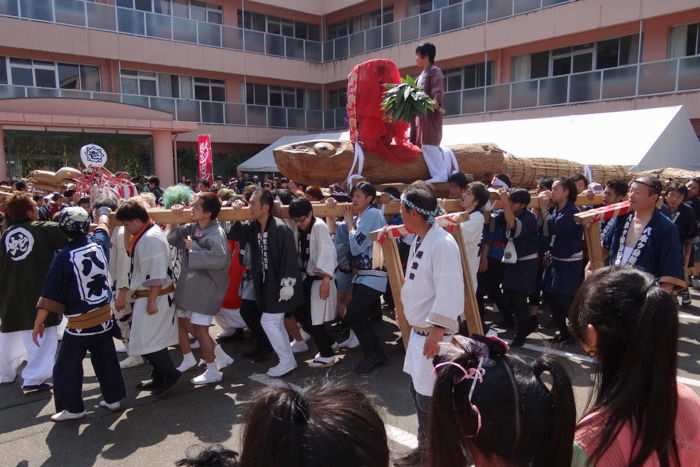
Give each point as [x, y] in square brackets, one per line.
[491, 408]
[638, 416]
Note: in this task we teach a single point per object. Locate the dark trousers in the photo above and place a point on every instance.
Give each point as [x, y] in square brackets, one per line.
[423, 404]
[490, 283]
[318, 333]
[251, 315]
[68, 370]
[559, 304]
[364, 300]
[515, 303]
[164, 371]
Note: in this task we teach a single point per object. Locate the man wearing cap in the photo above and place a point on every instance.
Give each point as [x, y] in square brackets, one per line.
[645, 238]
[78, 287]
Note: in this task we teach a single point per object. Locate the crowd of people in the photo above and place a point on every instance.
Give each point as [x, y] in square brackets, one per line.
[282, 282]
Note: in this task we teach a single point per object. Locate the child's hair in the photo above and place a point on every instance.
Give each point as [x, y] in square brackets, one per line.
[323, 426]
[212, 456]
[489, 400]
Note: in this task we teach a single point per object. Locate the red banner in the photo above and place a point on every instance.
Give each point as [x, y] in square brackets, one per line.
[205, 159]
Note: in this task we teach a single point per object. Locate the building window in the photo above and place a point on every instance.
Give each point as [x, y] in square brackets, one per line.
[3, 70]
[685, 41]
[209, 90]
[617, 52]
[25, 72]
[417, 7]
[275, 25]
[193, 9]
[337, 98]
[142, 83]
[277, 96]
[360, 23]
[468, 77]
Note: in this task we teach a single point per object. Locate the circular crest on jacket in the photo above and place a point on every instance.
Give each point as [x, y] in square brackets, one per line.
[74, 221]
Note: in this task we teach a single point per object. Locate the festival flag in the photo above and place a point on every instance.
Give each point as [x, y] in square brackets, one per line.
[205, 159]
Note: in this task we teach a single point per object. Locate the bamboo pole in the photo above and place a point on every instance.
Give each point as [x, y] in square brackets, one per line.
[392, 261]
[471, 306]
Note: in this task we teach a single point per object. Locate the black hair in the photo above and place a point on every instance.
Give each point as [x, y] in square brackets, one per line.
[211, 204]
[300, 207]
[321, 426]
[212, 456]
[569, 185]
[155, 180]
[522, 421]
[393, 191]
[620, 187]
[427, 49]
[266, 197]
[520, 196]
[546, 183]
[580, 177]
[459, 179]
[285, 196]
[367, 188]
[653, 183]
[205, 182]
[679, 188]
[84, 200]
[505, 179]
[421, 198]
[480, 193]
[132, 210]
[637, 327]
[21, 185]
[18, 208]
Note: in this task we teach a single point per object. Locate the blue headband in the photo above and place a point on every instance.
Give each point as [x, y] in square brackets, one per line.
[429, 215]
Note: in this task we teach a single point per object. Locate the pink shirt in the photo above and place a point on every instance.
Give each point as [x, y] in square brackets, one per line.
[620, 452]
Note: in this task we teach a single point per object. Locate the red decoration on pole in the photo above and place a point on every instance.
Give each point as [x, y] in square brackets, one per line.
[205, 159]
[605, 213]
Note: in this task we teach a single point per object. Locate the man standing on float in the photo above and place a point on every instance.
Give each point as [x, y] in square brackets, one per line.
[426, 130]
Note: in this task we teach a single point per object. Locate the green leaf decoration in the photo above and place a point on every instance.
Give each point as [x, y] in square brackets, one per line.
[406, 100]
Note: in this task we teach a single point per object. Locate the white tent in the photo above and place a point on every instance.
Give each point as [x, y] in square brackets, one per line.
[639, 139]
[264, 161]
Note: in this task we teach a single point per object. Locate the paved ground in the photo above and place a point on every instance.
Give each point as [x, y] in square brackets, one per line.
[154, 432]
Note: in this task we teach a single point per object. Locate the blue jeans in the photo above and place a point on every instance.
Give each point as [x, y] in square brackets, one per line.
[423, 404]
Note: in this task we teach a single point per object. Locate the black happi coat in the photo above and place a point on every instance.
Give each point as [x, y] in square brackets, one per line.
[282, 263]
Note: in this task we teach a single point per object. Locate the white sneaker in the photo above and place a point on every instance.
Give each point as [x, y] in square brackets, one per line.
[208, 377]
[115, 406]
[222, 358]
[282, 369]
[300, 347]
[131, 362]
[188, 362]
[65, 415]
[119, 346]
[322, 362]
[350, 343]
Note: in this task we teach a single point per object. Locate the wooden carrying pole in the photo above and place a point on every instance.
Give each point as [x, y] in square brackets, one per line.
[394, 268]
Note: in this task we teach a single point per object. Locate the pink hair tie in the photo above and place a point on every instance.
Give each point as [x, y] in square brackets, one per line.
[475, 374]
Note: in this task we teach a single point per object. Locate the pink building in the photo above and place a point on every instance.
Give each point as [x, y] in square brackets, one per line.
[145, 77]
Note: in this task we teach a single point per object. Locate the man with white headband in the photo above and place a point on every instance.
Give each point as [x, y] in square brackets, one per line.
[433, 300]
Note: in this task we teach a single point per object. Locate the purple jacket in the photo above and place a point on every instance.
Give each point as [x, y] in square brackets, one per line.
[427, 129]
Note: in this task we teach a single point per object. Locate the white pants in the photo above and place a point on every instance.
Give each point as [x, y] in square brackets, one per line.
[440, 164]
[273, 325]
[17, 347]
[229, 319]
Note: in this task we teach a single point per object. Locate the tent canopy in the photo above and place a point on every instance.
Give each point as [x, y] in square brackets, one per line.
[639, 139]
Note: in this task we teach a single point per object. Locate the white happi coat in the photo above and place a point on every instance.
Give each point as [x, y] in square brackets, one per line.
[432, 294]
[119, 266]
[472, 233]
[151, 333]
[323, 260]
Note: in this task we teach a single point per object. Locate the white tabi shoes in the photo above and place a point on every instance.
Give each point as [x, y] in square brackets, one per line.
[282, 369]
[188, 362]
[210, 376]
[64, 416]
[131, 361]
[299, 346]
[113, 407]
[350, 343]
[223, 359]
